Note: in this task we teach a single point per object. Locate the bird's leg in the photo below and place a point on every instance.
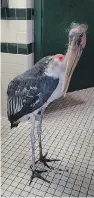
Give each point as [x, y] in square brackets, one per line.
[39, 131]
[42, 158]
[35, 173]
[33, 143]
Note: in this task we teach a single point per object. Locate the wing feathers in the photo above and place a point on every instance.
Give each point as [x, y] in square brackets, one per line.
[14, 105]
[26, 93]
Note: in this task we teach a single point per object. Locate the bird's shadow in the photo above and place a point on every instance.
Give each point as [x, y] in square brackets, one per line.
[64, 103]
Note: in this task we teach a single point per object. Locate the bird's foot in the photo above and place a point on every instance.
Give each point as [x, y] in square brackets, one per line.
[37, 173]
[44, 160]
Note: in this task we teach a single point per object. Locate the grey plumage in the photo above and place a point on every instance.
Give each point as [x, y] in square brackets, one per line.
[29, 91]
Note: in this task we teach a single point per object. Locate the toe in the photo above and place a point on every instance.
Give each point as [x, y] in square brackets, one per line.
[37, 173]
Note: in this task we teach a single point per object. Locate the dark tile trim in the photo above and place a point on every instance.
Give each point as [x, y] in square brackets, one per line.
[15, 48]
[4, 47]
[20, 14]
[30, 48]
[10, 14]
[17, 14]
[22, 49]
[12, 48]
[3, 13]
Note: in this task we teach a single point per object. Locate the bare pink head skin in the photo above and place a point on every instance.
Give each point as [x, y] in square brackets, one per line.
[60, 57]
[78, 33]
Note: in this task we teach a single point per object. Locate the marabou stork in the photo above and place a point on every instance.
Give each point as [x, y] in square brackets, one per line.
[31, 92]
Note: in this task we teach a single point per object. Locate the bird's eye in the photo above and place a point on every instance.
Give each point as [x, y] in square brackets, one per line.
[79, 40]
[81, 35]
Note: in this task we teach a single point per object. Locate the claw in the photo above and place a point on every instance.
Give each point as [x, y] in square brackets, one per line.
[50, 167]
[41, 158]
[51, 160]
[44, 160]
[37, 173]
[36, 161]
[41, 171]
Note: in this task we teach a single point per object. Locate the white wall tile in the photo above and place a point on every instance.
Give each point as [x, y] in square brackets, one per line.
[19, 59]
[13, 68]
[21, 3]
[30, 25]
[30, 37]
[4, 112]
[3, 96]
[8, 31]
[30, 60]
[8, 25]
[4, 30]
[4, 109]
[22, 59]
[17, 31]
[12, 29]
[11, 37]
[4, 25]
[22, 37]
[17, 3]
[6, 78]
[14, 25]
[4, 37]
[21, 25]
[30, 3]
[17, 25]
[30, 32]
[3, 101]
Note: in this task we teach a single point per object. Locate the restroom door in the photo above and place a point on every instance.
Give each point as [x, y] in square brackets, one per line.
[52, 19]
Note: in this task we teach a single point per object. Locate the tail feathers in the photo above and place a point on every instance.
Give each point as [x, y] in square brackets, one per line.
[14, 124]
[12, 121]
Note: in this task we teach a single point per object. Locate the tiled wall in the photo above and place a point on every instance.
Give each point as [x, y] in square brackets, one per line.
[17, 41]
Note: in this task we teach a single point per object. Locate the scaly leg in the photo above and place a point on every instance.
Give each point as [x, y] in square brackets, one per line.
[35, 173]
[42, 158]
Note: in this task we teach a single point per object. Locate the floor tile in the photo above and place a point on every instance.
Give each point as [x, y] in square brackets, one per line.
[68, 135]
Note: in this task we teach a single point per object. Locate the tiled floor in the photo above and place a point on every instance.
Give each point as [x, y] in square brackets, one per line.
[68, 134]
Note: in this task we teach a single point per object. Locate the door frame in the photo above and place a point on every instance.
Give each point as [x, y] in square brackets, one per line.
[38, 28]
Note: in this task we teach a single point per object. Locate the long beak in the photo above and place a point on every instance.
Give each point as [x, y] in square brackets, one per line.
[72, 60]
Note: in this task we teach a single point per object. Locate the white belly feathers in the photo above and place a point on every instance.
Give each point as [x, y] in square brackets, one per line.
[57, 93]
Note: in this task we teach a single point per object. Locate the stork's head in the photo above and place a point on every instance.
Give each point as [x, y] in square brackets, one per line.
[77, 42]
[77, 36]
[66, 63]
